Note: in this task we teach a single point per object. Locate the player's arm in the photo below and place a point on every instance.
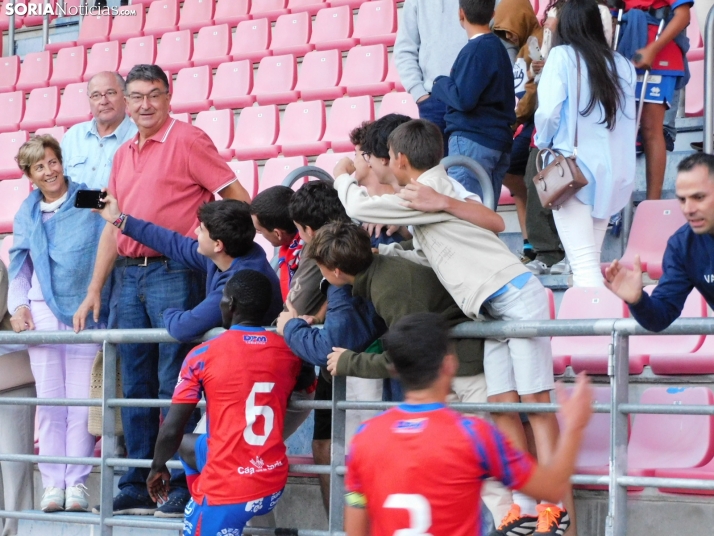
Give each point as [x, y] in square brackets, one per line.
[356, 521]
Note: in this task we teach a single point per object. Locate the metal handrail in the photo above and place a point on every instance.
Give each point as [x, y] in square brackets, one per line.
[307, 171]
[487, 194]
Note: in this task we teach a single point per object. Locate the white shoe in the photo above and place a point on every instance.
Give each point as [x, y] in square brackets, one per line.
[561, 268]
[52, 500]
[76, 499]
[537, 267]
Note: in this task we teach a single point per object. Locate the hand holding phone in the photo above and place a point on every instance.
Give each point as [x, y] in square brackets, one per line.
[90, 199]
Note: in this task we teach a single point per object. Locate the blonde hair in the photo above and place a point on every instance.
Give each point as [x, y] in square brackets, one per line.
[33, 151]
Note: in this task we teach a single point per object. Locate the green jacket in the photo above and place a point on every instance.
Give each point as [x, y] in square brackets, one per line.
[399, 287]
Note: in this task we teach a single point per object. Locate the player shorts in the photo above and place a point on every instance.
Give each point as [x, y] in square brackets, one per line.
[323, 417]
[660, 88]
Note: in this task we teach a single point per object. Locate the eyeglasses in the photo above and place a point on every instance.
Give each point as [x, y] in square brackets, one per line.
[154, 97]
[96, 96]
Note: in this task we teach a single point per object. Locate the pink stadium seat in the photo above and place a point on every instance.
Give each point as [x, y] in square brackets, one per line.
[320, 75]
[232, 85]
[346, 113]
[551, 302]
[5, 249]
[56, 132]
[376, 23]
[276, 169]
[9, 73]
[137, 50]
[13, 108]
[267, 246]
[12, 194]
[42, 108]
[231, 12]
[256, 131]
[247, 174]
[212, 46]
[5, 19]
[191, 90]
[705, 472]
[291, 35]
[365, 70]
[124, 28]
[695, 37]
[311, 6]
[275, 81]
[175, 50]
[95, 29]
[74, 107]
[352, 4]
[143, 2]
[103, 57]
[585, 351]
[302, 128]
[35, 71]
[196, 14]
[398, 103]
[393, 75]
[218, 124]
[10, 143]
[328, 161]
[69, 66]
[185, 117]
[505, 198]
[270, 9]
[170, 78]
[163, 17]
[699, 362]
[251, 40]
[333, 29]
[694, 103]
[37, 7]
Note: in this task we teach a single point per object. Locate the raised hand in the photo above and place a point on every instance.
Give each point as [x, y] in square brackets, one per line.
[623, 282]
[577, 409]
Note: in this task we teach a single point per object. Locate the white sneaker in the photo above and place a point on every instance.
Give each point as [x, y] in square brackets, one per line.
[52, 500]
[76, 499]
[537, 267]
[561, 268]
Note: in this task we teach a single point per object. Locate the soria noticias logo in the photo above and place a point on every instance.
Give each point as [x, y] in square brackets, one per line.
[62, 10]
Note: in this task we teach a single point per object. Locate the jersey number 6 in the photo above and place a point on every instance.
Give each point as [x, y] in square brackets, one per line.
[252, 411]
[419, 513]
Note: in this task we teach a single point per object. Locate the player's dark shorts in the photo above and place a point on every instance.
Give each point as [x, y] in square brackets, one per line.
[323, 417]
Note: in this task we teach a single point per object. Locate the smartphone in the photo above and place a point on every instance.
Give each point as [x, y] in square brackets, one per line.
[90, 199]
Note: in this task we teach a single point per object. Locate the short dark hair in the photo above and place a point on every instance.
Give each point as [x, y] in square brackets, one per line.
[341, 245]
[358, 134]
[697, 159]
[271, 208]
[478, 11]
[251, 292]
[375, 141]
[417, 345]
[229, 221]
[420, 141]
[315, 204]
[147, 73]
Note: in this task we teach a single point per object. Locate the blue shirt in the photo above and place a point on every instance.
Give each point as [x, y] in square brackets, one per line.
[87, 157]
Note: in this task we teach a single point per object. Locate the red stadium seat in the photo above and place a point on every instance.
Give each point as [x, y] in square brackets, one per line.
[10, 143]
[69, 66]
[74, 107]
[163, 17]
[232, 85]
[218, 124]
[505, 198]
[5, 249]
[138, 50]
[35, 71]
[247, 174]
[175, 50]
[302, 128]
[333, 29]
[251, 40]
[270, 9]
[95, 29]
[275, 81]
[311, 6]
[56, 132]
[393, 75]
[9, 73]
[320, 75]
[291, 35]
[376, 23]
[13, 108]
[328, 161]
[42, 108]
[231, 12]
[365, 70]
[103, 57]
[126, 27]
[694, 103]
[212, 46]
[196, 14]
[347, 113]
[276, 169]
[191, 90]
[12, 194]
[705, 472]
[256, 131]
[185, 117]
[699, 362]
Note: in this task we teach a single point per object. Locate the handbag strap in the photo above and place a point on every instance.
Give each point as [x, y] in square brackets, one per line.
[577, 109]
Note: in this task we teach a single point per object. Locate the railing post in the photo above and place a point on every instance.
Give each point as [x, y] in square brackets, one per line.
[618, 370]
[45, 25]
[337, 482]
[109, 390]
[709, 84]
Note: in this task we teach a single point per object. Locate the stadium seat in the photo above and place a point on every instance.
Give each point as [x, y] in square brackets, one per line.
[163, 17]
[251, 40]
[191, 90]
[346, 113]
[328, 161]
[175, 50]
[365, 70]
[218, 124]
[12, 194]
[302, 128]
[310, 6]
[170, 79]
[584, 351]
[270, 9]
[695, 37]
[95, 29]
[9, 73]
[74, 107]
[35, 71]
[231, 12]
[10, 143]
[137, 50]
[393, 75]
[42, 108]
[275, 81]
[291, 35]
[505, 197]
[144, 2]
[376, 23]
[212, 46]
[276, 169]
[103, 57]
[56, 132]
[352, 4]
[196, 14]
[185, 117]
[5, 249]
[69, 66]
[5, 19]
[126, 27]
[332, 28]
[13, 108]
[247, 174]
[232, 85]
[37, 6]
[256, 132]
[551, 302]
[320, 75]
[694, 102]
[267, 246]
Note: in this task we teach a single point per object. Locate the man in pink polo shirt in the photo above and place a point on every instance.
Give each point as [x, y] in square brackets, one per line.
[162, 175]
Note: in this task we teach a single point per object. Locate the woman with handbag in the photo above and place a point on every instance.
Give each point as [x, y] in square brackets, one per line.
[586, 114]
[51, 262]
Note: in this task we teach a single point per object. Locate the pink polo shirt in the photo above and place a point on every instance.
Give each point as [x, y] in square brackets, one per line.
[176, 171]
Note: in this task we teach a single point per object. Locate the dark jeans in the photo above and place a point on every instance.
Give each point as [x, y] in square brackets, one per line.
[432, 109]
[141, 294]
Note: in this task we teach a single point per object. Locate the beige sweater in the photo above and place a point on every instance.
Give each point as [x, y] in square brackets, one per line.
[471, 262]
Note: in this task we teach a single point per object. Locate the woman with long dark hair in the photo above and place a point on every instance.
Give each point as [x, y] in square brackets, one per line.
[605, 120]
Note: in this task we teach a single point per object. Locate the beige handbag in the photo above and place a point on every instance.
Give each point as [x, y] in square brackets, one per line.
[94, 421]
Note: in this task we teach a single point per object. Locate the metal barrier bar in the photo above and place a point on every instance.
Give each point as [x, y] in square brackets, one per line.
[708, 83]
[616, 524]
[45, 25]
[106, 485]
[670, 483]
[337, 481]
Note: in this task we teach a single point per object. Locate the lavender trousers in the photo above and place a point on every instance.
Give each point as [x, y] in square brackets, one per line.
[61, 371]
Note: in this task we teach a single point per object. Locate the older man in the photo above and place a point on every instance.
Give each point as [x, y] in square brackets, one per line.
[88, 148]
[162, 175]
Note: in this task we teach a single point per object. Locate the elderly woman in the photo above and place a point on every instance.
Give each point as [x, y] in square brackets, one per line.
[51, 263]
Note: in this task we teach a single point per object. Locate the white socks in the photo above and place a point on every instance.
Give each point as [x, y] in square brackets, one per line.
[527, 504]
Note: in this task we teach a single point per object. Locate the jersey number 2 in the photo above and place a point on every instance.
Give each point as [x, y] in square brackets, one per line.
[252, 411]
[419, 513]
